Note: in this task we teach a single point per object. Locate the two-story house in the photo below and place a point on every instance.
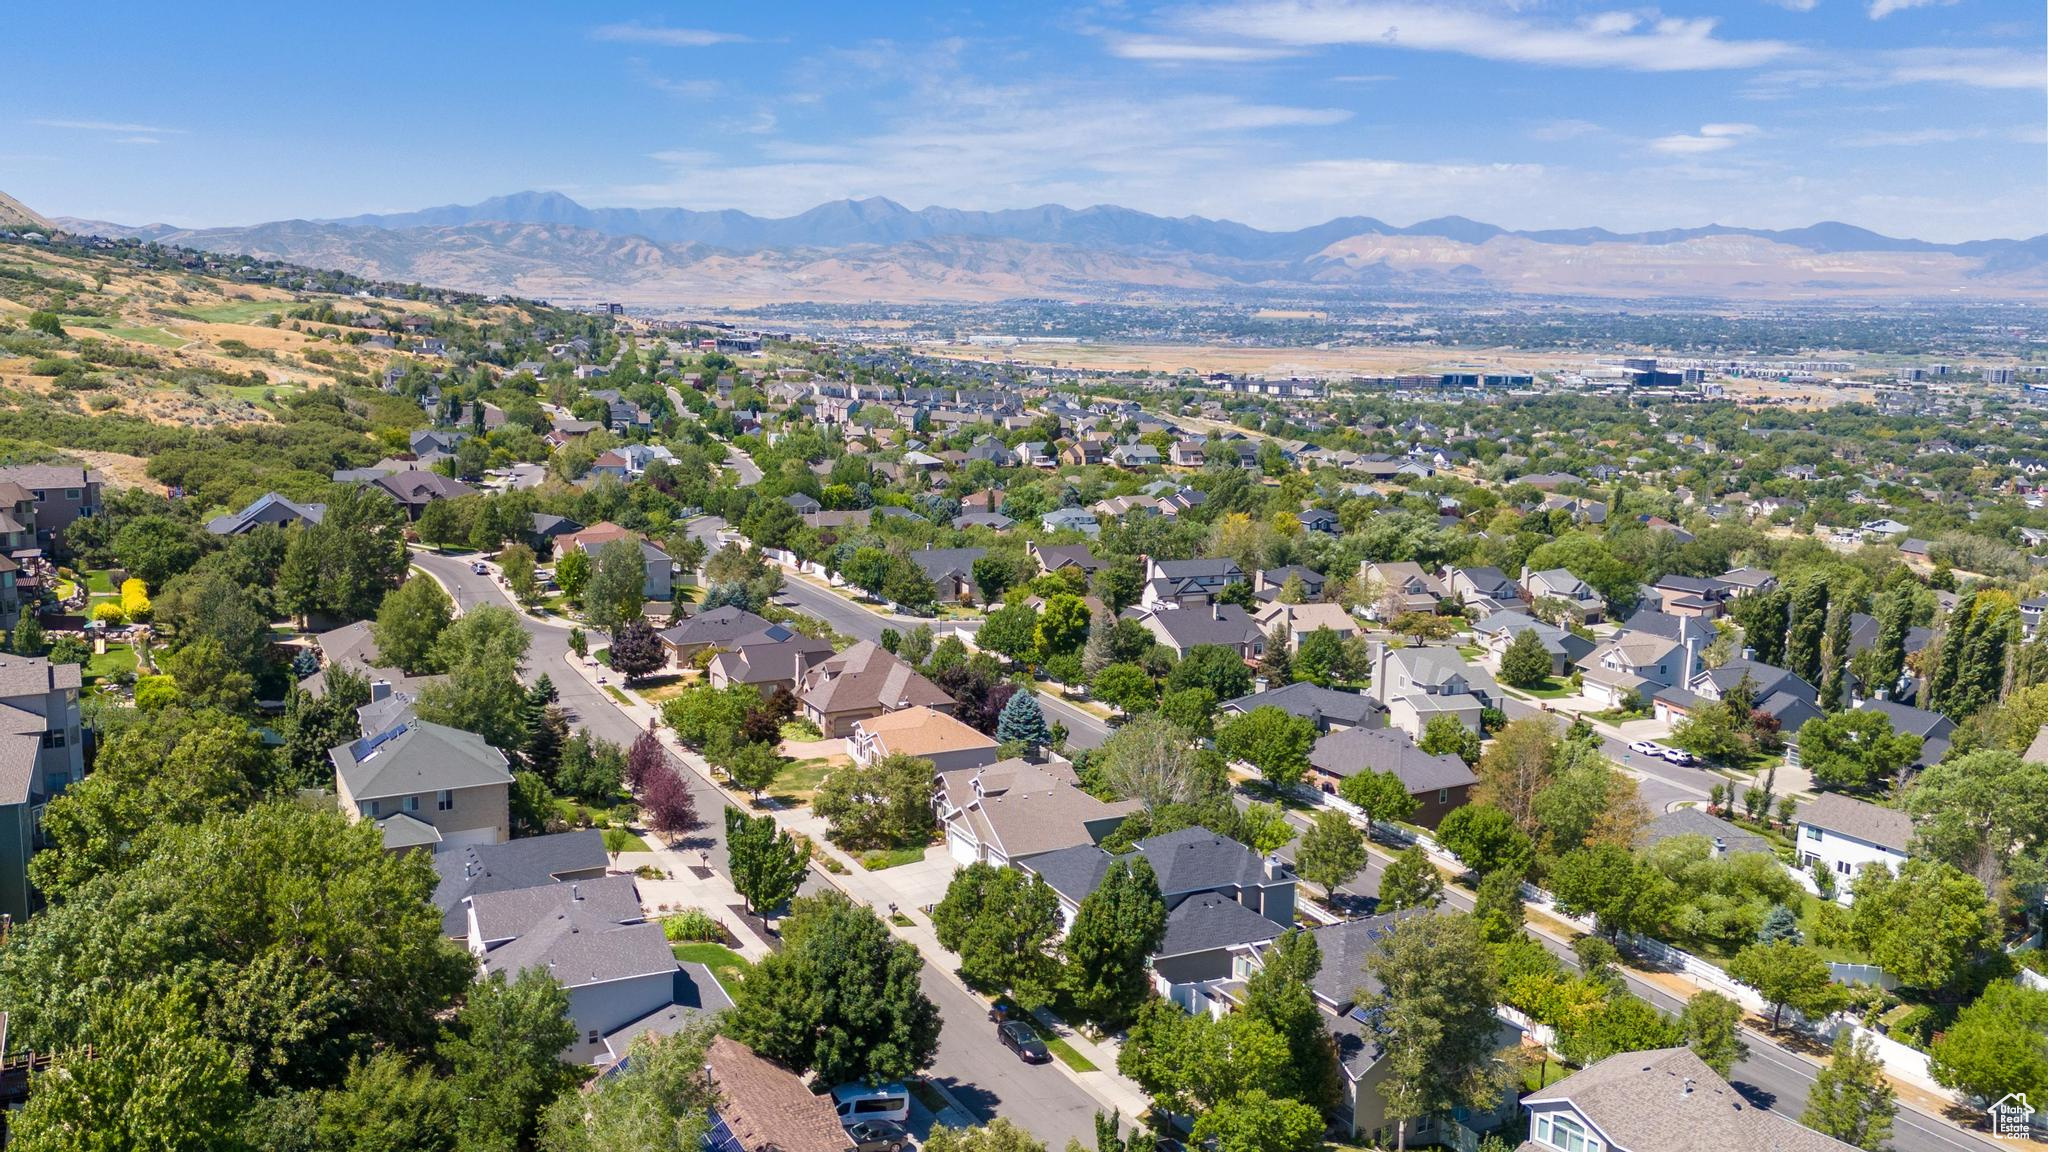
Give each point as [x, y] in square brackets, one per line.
[62, 493]
[1497, 633]
[1418, 684]
[1184, 629]
[1485, 588]
[42, 741]
[865, 680]
[269, 508]
[426, 786]
[1846, 835]
[1662, 1100]
[1559, 584]
[1439, 782]
[1401, 587]
[1012, 811]
[1182, 582]
[922, 733]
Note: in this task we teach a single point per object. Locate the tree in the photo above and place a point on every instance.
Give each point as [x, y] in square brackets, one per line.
[1062, 625]
[1716, 733]
[1000, 922]
[842, 1000]
[1436, 1002]
[1612, 885]
[1152, 760]
[1807, 628]
[1486, 840]
[617, 587]
[1998, 1045]
[1193, 709]
[1446, 735]
[1115, 932]
[519, 565]
[1324, 656]
[1780, 923]
[1618, 1023]
[343, 566]
[1887, 662]
[1217, 667]
[1125, 686]
[156, 1077]
[1381, 796]
[1924, 923]
[1264, 828]
[1276, 663]
[1520, 763]
[208, 677]
[1526, 663]
[643, 760]
[28, 636]
[998, 1135]
[750, 765]
[636, 650]
[768, 865]
[1856, 749]
[1850, 1099]
[1788, 975]
[883, 804]
[504, 1057]
[1587, 800]
[1100, 651]
[1271, 739]
[1332, 851]
[409, 625]
[1420, 626]
[1497, 907]
[156, 548]
[1021, 722]
[1012, 631]
[572, 573]
[1195, 1063]
[657, 1100]
[1836, 660]
[1712, 1024]
[1256, 1121]
[1411, 881]
[1969, 666]
[1281, 995]
[482, 653]
[1763, 617]
[1986, 813]
[670, 806]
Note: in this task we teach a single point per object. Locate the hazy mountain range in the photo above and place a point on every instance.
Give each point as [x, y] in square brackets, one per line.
[545, 244]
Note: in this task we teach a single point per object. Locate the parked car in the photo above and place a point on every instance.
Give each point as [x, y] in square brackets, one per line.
[1018, 1037]
[1647, 748]
[858, 1101]
[878, 1136]
[1680, 757]
[479, 568]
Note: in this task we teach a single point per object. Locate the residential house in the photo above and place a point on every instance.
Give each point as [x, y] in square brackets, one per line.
[1187, 863]
[1183, 629]
[591, 936]
[1559, 584]
[659, 581]
[1691, 596]
[1298, 620]
[1183, 582]
[62, 493]
[1187, 453]
[1318, 520]
[1267, 583]
[1742, 582]
[426, 786]
[547, 528]
[993, 520]
[1632, 668]
[1662, 1100]
[1329, 709]
[1485, 588]
[719, 628]
[1051, 558]
[774, 657]
[1012, 811]
[1726, 838]
[353, 648]
[1773, 691]
[414, 489]
[1404, 587]
[1136, 454]
[1846, 835]
[1439, 782]
[1934, 730]
[1070, 519]
[763, 1107]
[1418, 684]
[865, 680]
[269, 508]
[528, 862]
[42, 752]
[951, 571]
[1497, 633]
[924, 734]
[1082, 452]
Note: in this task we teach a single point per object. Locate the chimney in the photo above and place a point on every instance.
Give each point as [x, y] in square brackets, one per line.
[1215, 610]
[1378, 654]
[1525, 573]
[379, 690]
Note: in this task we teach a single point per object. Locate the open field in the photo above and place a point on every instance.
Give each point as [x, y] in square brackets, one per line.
[1259, 361]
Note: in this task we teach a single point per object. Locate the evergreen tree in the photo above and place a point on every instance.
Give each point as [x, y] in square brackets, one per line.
[1833, 690]
[1100, 651]
[1781, 923]
[1850, 1099]
[1277, 662]
[1807, 631]
[1022, 722]
[1764, 619]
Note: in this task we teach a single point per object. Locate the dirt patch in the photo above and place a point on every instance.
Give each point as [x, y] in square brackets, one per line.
[120, 471]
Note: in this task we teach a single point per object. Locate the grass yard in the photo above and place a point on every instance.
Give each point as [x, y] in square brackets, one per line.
[617, 696]
[238, 311]
[618, 839]
[729, 966]
[1543, 1074]
[1552, 688]
[118, 658]
[100, 582]
[659, 690]
[798, 780]
[879, 859]
[1067, 1053]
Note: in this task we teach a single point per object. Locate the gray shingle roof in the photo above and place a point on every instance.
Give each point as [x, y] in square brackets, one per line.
[1355, 750]
[1694, 822]
[1315, 702]
[1668, 1100]
[1210, 921]
[718, 626]
[1884, 827]
[514, 912]
[34, 676]
[1345, 947]
[1197, 860]
[528, 862]
[418, 758]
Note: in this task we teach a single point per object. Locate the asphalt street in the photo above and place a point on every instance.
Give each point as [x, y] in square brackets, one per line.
[981, 1074]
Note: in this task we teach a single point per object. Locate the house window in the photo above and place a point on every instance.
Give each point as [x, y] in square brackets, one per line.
[1812, 833]
[595, 1036]
[71, 493]
[1443, 795]
[53, 739]
[1563, 1133]
[444, 800]
[376, 809]
[1842, 866]
[412, 803]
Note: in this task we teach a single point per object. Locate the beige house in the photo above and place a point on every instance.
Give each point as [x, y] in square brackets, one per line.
[1302, 619]
[923, 733]
[426, 786]
[1013, 810]
[865, 680]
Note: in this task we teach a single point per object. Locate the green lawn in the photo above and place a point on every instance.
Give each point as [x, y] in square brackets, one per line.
[1068, 1054]
[617, 696]
[156, 336]
[1552, 688]
[797, 780]
[238, 311]
[1539, 1076]
[879, 859]
[729, 966]
[118, 658]
[100, 581]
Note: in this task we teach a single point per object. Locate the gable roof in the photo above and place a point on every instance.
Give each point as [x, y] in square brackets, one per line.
[867, 675]
[1668, 1100]
[269, 508]
[1314, 702]
[1695, 822]
[1357, 750]
[719, 626]
[1197, 860]
[1858, 820]
[1210, 921]
[919, 731]
[528, 862]
[767, 1107]
[939, 563]
[1188, 627]
[415, 758]
[1028, 809]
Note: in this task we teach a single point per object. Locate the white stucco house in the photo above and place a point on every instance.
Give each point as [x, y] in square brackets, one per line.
[1848, 835]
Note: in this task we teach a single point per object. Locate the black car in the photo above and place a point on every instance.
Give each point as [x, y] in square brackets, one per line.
[878, 1136]
[1018, 1037]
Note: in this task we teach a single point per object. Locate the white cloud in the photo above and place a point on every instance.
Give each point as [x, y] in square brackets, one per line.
[1913, 138]
[1970, 67]
[1710, 138]
[634, 32]
[1160, 49]
[1879, 9]
[109, 126]
[137, 140]
[1619, 39]
[1796, 5]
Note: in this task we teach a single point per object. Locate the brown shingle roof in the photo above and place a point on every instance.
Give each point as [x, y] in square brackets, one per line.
[1668, 1100]
[767, 1107]
[867, 676]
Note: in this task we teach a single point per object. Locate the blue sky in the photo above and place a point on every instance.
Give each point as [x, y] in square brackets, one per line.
[1914, 117]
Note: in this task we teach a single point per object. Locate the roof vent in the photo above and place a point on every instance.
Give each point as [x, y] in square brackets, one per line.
[1687, 1091]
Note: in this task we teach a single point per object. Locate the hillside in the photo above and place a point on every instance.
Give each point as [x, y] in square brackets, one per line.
[15, 214]
[547, 245]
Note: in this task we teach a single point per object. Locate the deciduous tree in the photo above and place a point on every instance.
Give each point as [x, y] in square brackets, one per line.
[1001, 921]
[1332, 851]
[1115, 932]
[1850, 1099]
[1411, 881]
[1436, 1003]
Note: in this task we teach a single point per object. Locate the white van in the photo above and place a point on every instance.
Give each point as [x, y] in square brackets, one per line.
[872, 1102]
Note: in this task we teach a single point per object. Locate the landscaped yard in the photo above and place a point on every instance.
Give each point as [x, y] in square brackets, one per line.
[1552, 688]
[118, 658]
[880, 858]
[797, 780]
[100, 582]
[659, 690]
[729, 966]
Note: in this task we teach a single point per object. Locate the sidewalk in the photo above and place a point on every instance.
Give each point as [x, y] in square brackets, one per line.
[905, 890]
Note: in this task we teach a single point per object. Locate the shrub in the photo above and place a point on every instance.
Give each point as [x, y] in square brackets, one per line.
[692, 925]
